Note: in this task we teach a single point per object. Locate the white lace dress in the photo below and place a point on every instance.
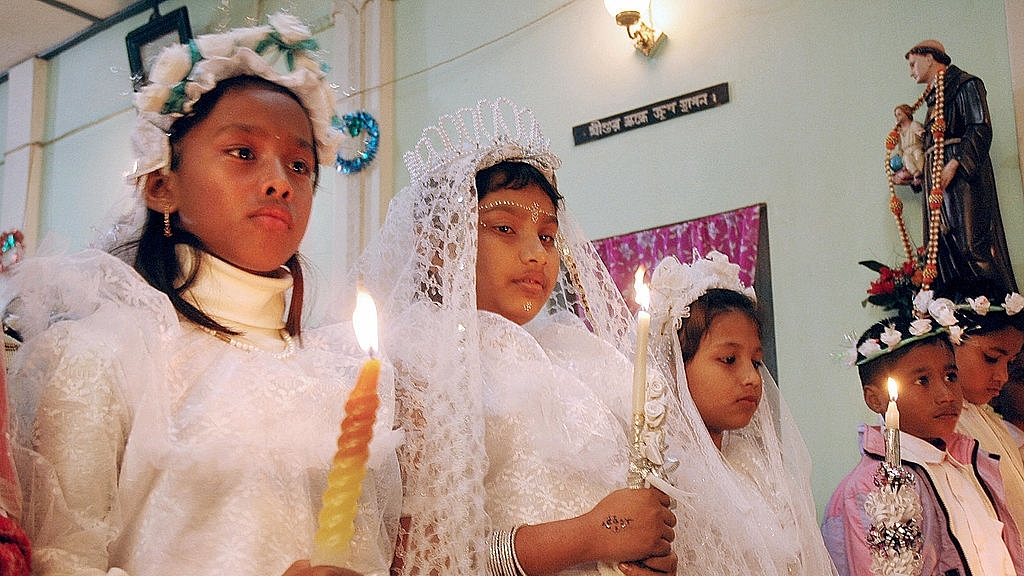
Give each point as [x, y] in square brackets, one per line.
[556, 437]
[148, 447]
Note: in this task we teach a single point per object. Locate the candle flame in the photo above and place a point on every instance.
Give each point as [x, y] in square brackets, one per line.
[893, 389]
[364, 320]
[642, 292]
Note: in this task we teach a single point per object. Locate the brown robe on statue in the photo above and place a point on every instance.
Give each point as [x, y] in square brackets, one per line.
[971, 241]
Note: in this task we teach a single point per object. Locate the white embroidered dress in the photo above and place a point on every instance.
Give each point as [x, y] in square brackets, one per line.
[150, 447]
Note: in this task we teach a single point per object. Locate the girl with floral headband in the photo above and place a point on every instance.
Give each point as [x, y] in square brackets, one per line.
[993, 337]
[748, 487]
[516, 411]
[175, 418]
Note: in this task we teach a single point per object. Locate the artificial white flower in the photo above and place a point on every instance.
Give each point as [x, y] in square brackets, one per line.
[891, 336]
[850, 356]
[172, 65]
[943, 310]
[215, 45]
[290, 28]
[956, 334]
[922, 299]
[980, 304]
[869, 348]
[151, 98]
[654, 413]
[920, 326]
[1014, 303]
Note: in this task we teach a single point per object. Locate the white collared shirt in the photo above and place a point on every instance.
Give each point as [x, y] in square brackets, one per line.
[972, 518]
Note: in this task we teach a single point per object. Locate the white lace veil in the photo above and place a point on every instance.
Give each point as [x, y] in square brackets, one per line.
[748, 508]
[421, 270]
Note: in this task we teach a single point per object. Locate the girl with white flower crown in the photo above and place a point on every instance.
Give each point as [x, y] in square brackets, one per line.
[173, 416]
[993, 337]
[748, 487]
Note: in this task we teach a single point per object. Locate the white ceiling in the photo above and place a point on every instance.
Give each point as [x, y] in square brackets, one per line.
[32, 27]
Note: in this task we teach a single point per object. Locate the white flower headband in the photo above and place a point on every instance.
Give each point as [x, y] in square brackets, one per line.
[674, 286]
[182, 73]
[933, 316]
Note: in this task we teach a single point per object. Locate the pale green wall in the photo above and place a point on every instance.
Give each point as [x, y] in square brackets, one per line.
[3, 129]
[812, 88]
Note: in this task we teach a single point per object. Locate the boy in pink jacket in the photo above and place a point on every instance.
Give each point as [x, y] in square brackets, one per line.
[965, 526]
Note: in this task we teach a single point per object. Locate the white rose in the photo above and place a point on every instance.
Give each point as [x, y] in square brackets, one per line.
[211, 45]
[722, 269]
[956, 334]
[1014, 303]
[943, 310]
[152, 98]
[869, 348]
[290, 28]
[920, 326]
[172, 65]
[654, 413]
[922, 299]
[980, 304]
[891, 336]
[655, 389]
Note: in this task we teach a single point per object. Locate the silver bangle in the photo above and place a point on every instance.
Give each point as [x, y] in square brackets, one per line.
[503, 560]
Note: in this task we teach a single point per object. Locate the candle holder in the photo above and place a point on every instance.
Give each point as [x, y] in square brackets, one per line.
[639, 465]
[892, 447]
[894, 507]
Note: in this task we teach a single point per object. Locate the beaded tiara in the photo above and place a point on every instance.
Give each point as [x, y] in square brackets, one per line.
[182, 73]
[483, 136]
[674, 286]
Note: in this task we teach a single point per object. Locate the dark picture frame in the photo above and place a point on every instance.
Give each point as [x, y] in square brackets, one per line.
[146, 41]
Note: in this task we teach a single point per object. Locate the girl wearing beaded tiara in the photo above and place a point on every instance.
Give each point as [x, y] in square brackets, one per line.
[172, 422]
[749, 482]
[515, 408]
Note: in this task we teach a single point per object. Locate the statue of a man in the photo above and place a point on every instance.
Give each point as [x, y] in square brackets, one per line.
[972, 242]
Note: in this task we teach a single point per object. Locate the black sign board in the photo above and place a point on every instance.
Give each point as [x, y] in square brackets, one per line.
[652, 114]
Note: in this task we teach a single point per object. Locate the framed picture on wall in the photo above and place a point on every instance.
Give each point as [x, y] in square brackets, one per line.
[740, 234]
[146, 41]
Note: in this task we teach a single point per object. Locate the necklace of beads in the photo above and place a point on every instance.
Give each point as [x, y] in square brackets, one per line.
[289, 344]
[938, 129]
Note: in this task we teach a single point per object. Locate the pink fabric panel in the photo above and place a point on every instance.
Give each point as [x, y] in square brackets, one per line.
[733, 233]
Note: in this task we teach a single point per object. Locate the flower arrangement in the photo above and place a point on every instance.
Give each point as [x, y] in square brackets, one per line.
[895, 510]
[895, 287]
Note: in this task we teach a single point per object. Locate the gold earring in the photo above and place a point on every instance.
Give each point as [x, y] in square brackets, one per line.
[167, 220]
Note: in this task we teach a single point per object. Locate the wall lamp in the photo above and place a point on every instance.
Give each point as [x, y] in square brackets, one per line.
[627, 14]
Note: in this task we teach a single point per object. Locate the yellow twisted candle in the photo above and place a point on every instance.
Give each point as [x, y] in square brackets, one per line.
[344, 482]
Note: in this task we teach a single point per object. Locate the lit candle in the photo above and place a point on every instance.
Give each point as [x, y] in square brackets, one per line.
[892, 426]
[643, 328]
[344, 482]
[892, 414]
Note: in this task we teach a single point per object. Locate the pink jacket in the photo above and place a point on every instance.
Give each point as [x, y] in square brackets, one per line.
[845, 525]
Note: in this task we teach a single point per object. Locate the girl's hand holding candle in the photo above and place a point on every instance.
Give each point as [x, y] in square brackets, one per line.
[344, 482]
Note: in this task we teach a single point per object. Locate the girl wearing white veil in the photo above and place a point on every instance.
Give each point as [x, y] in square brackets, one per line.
[515, 408]
[748, 489]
